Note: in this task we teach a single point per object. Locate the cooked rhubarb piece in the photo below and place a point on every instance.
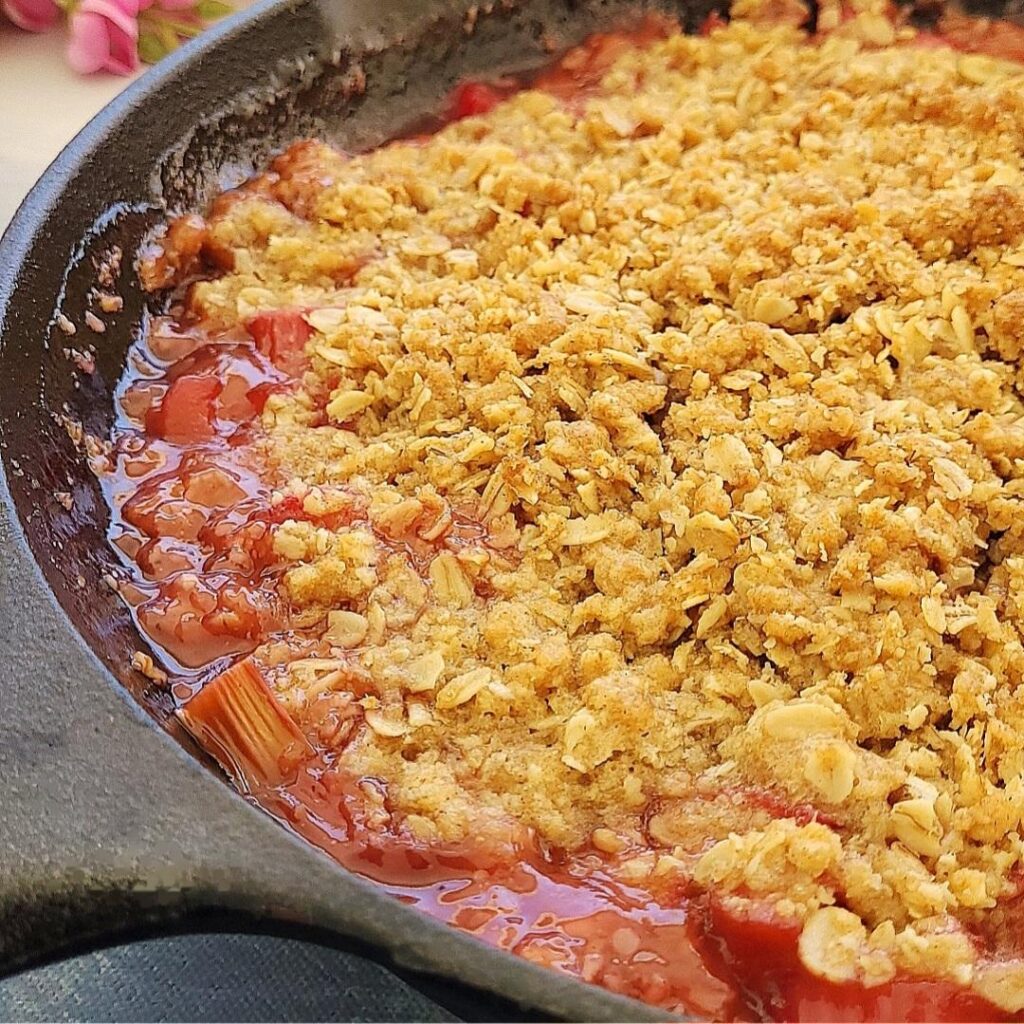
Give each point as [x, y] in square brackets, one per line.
[237, 719]
[473, 98]
[281, 334]
[186, 412]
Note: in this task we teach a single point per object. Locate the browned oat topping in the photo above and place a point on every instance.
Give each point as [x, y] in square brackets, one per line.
[691, 437]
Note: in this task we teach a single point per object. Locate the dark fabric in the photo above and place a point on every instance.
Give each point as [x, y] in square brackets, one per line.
[214, 977]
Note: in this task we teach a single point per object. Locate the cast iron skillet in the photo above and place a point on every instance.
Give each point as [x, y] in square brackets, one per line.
[109, 815]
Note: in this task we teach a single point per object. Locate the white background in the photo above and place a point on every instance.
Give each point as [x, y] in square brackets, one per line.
[43, 104]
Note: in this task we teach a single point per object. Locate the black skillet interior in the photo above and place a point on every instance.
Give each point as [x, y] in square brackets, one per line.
[105, 820]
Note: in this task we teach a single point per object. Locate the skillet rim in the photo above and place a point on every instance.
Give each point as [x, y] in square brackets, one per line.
[541, 988]
[54, 893]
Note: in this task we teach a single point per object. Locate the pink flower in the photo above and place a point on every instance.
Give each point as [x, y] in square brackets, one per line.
[31, 15]
[105, 37]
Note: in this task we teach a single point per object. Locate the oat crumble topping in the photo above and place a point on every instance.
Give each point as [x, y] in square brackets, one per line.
[687, 434]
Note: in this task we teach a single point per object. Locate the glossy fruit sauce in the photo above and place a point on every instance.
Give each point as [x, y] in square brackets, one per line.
[192, 516]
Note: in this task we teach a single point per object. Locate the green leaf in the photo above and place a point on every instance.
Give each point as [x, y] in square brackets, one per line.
[168, 36]
[185, 29]
[211, 10]
[151, 47]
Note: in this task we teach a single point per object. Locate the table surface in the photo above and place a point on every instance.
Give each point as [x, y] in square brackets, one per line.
[43, 104]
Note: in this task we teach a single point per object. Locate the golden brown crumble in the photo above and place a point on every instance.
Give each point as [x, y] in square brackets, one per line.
[720, 377]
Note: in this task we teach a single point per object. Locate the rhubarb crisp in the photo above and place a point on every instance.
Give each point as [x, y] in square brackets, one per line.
[628, 478]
